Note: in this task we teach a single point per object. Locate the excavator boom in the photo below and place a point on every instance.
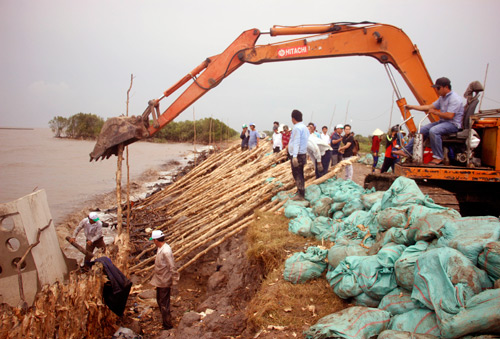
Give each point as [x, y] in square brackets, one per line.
[387, 44]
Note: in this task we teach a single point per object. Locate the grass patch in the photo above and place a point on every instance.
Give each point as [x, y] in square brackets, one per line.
[279, 302]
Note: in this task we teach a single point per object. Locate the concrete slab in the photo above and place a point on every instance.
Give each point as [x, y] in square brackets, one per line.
[20, 221]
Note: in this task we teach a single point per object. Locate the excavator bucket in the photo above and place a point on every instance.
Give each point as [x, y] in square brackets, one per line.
[116, 131]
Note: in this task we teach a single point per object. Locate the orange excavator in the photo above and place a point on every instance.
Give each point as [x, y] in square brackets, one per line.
[386, 43]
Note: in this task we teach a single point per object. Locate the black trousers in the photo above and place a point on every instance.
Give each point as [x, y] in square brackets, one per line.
[163, 300]
[388, 163]
[298, 174]
[99, 243]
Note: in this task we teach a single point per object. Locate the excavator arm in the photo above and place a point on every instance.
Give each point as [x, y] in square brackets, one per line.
[387, 44]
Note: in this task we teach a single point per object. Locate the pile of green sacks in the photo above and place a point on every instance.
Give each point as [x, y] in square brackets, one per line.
[368, 160]
[410, 266]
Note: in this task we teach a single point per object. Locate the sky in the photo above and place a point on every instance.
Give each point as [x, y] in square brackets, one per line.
[60, 58]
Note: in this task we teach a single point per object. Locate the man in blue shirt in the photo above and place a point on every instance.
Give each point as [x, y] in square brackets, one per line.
[450, 110]
[253, 140]
[297, 148]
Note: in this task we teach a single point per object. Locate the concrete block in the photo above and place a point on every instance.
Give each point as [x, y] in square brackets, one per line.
[20, 221]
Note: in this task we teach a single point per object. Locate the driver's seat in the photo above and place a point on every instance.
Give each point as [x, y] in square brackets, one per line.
[472, 95]
[458, 141]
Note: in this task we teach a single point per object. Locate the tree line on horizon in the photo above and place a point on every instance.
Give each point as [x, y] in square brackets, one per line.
[88, 126]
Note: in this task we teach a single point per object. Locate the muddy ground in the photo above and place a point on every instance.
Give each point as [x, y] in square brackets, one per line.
[211, 297]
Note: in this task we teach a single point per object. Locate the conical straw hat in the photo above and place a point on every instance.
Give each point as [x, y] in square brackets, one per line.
[377, 132]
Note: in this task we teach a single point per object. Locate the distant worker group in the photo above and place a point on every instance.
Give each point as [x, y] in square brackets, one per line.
[303, 142]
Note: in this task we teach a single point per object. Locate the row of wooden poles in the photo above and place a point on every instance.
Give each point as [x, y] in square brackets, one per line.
[216, 200]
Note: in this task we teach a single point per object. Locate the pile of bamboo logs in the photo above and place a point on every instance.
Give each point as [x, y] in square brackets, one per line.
[73, 309]
[215, 201]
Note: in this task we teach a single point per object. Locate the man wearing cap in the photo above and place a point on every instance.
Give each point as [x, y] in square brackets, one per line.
[450, 110]
[165, 275]
[92, 227]
[336, 139]
[297, 149]
[253, 140]
[244, 136]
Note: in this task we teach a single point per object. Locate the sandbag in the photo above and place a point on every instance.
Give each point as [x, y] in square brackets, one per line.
[343, 278]
[295, 208]
[301, 267]
[301, 225]
[392, 217]
[337, 206]
[370, 199]
[322, 207]
[339, 215]
[324, 228]
[404, 267]
[480, 315]
[470, 235]
[403, 192]
[312, 193]
[376, 273]
[354, 322]
[353, 205]
[391, 334]
[489, 259]
[445, 280]
[428, 227]
[420, 320]
[398, 301]
[398, 235]
[365, 300]
[344, 248]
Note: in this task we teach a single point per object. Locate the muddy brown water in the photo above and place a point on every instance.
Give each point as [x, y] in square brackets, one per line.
[35, 159]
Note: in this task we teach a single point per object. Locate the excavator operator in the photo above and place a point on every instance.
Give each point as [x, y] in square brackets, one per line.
[450, 110]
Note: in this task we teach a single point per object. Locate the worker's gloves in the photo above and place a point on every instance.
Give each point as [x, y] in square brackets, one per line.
[295, 162]
[320, 167]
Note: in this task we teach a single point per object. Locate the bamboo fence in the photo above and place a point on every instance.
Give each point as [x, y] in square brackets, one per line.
[215, 201]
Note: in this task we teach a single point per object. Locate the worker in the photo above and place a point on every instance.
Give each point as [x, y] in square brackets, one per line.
[277, 140]
[393, 143]
[285, 136]
[346, 150]
[336, 139]
[92, 228]
[165, 276]
[377, 134]
[253, 140]
[450, 110]
[244, 136]
[319, 152]
[297, 149]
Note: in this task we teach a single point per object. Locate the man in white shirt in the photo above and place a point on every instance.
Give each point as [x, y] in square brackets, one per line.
[319, 151]
[92, 228]
[165, 275]
[324, 135]
[277, 140]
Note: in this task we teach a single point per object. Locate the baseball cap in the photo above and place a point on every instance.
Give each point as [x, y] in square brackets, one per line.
[156, 234]
[442, 82]
[93, 216]
[251, 124]
[340, 126]
[244, 126]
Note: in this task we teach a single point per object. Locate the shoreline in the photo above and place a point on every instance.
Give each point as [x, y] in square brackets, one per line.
[147, 183]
